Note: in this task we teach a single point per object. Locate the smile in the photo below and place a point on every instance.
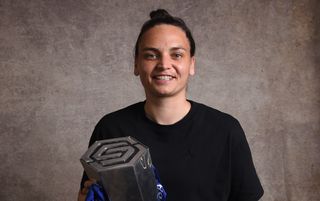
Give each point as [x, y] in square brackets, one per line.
[164, 77]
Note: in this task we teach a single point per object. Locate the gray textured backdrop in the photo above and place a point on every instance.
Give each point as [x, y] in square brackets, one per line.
[64, 64]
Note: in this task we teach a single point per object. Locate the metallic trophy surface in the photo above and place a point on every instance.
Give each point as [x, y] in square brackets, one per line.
[124, 168]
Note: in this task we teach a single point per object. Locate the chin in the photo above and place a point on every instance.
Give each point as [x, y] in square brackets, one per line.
[160, 94]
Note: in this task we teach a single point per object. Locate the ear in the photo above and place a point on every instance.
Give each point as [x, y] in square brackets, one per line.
[136, 71]
[192, 66]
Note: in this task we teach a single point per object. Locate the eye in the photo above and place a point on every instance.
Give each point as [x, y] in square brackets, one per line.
[150, 56]
[177, 55]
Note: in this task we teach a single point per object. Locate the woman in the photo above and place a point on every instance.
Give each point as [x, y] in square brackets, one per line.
[200, 153]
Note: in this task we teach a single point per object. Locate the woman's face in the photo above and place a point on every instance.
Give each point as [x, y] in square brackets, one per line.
[164, 63]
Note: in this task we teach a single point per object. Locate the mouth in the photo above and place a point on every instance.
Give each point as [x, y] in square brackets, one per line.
[163, 77]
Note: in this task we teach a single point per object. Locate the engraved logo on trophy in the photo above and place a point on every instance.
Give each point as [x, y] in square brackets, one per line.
[114, 153]
[124, 168]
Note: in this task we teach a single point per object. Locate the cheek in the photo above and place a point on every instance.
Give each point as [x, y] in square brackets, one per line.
[144, 73]
[141, 67]
[146, 67]
[183, 68]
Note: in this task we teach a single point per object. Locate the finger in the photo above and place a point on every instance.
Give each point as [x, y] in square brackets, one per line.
[89, 182]
[87, 185]
[84, 191]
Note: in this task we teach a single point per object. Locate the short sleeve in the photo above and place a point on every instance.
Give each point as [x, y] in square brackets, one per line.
[245, 184]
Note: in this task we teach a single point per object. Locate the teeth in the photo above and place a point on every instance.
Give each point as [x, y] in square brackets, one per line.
[164, 77]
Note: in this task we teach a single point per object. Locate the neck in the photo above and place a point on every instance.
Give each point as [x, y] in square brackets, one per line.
[167, 110]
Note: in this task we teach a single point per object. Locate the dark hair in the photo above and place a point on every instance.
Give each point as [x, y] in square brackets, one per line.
[161, 16]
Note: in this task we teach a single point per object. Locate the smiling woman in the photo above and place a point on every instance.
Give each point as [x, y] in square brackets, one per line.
[164, 63]
[201, 153]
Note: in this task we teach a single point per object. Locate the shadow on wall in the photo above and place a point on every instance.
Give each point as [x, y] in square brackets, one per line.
[316, 47]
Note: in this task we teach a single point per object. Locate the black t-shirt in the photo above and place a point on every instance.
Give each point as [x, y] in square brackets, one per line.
[203, 157]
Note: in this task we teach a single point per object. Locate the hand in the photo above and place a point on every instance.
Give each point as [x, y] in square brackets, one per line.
[83, 192]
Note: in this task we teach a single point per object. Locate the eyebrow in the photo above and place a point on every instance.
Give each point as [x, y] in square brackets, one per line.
[157, 50]
[178, 48]
[150, 49]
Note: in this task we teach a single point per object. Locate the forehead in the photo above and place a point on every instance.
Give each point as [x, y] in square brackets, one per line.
[164, 36]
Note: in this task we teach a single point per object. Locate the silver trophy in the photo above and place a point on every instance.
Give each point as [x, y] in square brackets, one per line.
[124, 168]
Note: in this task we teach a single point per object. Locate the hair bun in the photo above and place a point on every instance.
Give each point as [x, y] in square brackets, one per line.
[160, 13]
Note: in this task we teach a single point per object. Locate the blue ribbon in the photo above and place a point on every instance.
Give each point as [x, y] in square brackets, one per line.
[96, 192]
[162, 194]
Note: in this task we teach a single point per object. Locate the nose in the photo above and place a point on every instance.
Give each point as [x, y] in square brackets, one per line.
[164, 62]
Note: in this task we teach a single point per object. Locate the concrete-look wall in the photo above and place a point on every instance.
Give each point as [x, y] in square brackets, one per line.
[66, 63]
